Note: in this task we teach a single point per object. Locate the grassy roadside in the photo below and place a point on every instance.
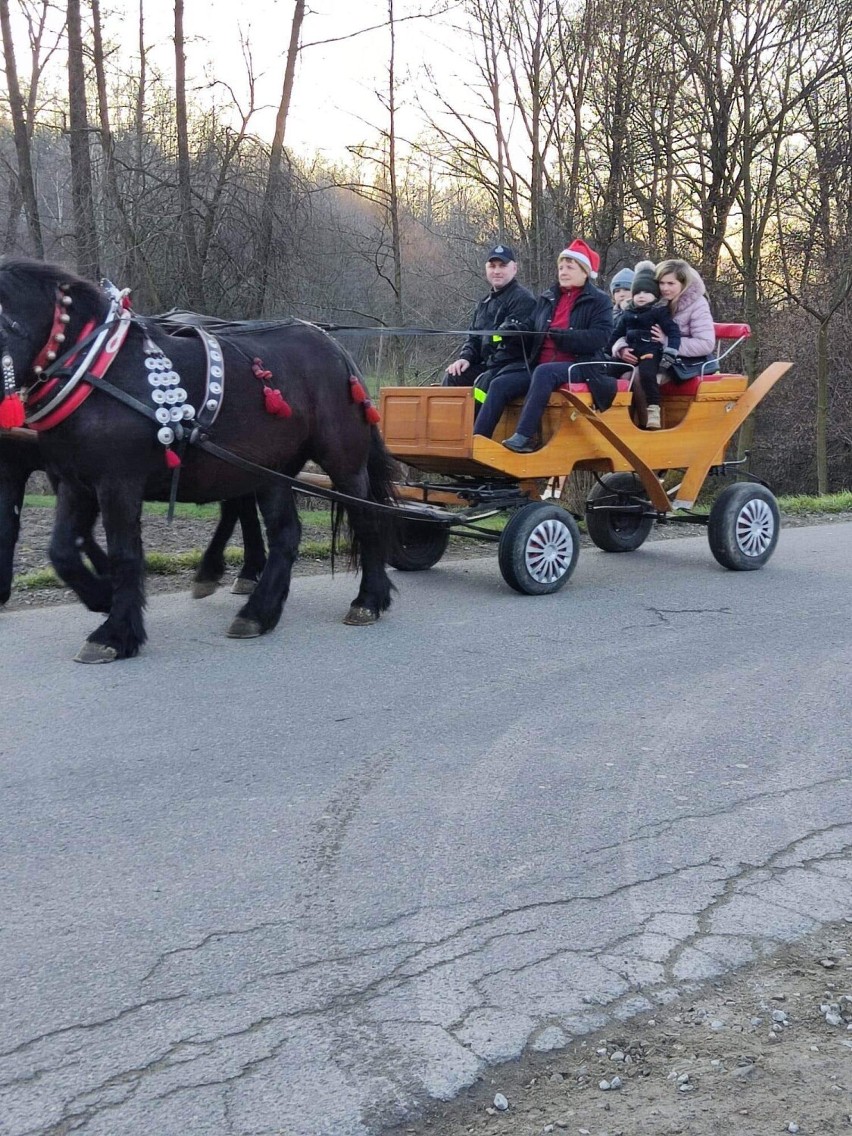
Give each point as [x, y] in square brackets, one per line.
[170, 564]
[795, 505]
[801, 505]
[182, 509]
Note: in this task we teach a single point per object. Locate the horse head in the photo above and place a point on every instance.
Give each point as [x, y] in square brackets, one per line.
[43, 310]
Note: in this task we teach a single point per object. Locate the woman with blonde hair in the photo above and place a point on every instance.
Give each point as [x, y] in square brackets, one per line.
[683, 289]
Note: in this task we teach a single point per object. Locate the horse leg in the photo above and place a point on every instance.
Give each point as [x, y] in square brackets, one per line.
[212, 566]
[283, 529]
[97, 557]
[369, 551]
[76, 513]
[123, 632]
[13, 483]
[254, 550]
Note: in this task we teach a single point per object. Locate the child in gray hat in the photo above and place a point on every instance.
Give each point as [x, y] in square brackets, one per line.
[619, 288]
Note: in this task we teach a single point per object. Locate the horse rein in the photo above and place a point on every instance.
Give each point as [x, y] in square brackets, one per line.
[198, 438]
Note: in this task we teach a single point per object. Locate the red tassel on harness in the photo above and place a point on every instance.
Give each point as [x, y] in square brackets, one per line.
[172, 459]
[273, 400]
[357, 390]
[11, 411]
[275, 403]
[359, 394]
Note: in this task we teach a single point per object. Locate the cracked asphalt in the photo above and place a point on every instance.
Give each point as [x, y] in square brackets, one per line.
[300, 885]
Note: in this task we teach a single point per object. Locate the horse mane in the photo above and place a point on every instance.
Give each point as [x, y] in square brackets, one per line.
[47, 277]
[176, 321]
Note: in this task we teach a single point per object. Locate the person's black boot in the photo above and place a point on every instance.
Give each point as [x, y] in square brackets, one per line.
[519, 444]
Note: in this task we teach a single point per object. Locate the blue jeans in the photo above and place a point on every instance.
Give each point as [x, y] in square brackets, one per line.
[512, 384]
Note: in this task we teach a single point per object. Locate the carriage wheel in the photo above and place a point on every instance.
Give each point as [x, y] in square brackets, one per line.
[538, 549]
[743, 527]
[611, 529]
[417, 545]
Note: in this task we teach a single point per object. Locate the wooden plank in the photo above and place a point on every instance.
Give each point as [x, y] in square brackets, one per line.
[404, 492]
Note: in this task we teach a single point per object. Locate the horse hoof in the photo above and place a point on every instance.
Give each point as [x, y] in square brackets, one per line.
[95, 653]
[201, 589]
[244, 629]
[241, 587]
[359, 616]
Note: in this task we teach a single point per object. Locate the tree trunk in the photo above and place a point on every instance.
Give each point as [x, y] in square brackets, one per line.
[139, 115]
[273, 179]
[26, 181]
[194, 282]
[822, 408]
[110, 179]
[82, 191]
[393, 201]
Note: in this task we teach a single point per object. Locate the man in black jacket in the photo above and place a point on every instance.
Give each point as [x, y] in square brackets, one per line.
[507, 302]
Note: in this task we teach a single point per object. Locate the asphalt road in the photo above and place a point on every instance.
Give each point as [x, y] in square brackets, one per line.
[294, 885]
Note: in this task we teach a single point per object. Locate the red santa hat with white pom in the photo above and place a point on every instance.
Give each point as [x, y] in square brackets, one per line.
[578, 250]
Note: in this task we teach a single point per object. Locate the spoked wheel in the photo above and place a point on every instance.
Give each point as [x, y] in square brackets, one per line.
[538, 549]
[614, 529]
[417, 545]
[743, 527]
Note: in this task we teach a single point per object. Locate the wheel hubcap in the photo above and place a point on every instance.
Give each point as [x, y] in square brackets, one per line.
[755, 527]
[549, 551]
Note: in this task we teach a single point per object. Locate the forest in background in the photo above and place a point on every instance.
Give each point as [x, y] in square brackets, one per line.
[715, 130]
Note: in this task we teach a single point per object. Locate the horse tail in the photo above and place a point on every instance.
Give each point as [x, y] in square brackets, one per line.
[382, 474]
[382, 470]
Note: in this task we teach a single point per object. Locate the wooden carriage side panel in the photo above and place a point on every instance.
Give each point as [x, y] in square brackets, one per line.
[431, 428]
[434, 422]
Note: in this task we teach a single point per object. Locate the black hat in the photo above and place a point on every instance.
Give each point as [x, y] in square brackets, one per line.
[644, 280]
[501, 252]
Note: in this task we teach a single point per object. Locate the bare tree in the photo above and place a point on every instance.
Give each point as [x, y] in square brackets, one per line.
[26, 181]
[82, 190]
[194, 281]
[273, 177]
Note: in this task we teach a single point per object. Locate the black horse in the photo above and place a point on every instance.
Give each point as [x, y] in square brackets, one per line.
[20, 457]
[290, 398]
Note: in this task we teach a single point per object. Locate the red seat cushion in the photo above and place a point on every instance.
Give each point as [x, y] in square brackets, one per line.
[731, 330]
[583, 388]
[690, 387]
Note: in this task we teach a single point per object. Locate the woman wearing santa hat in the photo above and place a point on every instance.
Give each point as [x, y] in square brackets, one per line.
[571, 323]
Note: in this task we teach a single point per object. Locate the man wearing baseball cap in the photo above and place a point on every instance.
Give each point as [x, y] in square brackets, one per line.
[482, 356]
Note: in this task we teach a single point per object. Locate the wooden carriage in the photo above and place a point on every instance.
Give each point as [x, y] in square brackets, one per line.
[431, 429]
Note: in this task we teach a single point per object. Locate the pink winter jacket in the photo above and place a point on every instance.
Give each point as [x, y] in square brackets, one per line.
[695, 321]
